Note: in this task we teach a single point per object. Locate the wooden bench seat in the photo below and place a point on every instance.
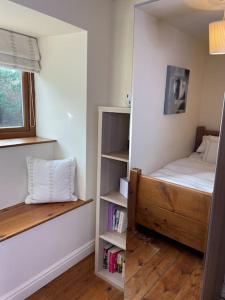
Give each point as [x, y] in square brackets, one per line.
[19, 218]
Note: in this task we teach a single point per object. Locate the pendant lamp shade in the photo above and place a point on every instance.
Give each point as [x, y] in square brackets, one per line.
[217, 37]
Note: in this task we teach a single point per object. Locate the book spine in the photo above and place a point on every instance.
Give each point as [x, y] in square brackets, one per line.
[117, 219]
[110, 263]
[123, 271]
[124, 223]
[113, 262]
[114, 219]
[119, 263]
[110, 217]
[105, 259]
[120, 222]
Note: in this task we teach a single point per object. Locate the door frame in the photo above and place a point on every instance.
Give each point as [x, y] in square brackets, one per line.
[215, 256]
[214, 269]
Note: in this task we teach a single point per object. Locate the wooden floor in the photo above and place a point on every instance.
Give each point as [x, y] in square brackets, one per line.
[78, 283]
[158, 269]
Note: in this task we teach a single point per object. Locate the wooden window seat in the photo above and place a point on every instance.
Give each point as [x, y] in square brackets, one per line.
[19, 218]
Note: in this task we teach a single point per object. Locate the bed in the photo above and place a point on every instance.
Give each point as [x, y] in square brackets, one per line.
[175, 201]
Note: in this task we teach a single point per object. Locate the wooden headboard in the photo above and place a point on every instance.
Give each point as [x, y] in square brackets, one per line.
[200, 132]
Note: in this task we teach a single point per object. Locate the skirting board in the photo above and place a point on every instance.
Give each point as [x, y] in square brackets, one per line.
[46, 276]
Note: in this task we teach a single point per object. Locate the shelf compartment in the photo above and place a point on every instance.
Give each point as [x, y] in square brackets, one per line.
[113, 278]
[111, 172]
[115, 132]
[118, 155]
[115, 238]
[115, 197]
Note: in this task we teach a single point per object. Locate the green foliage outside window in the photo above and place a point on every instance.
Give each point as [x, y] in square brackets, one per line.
[11, 100]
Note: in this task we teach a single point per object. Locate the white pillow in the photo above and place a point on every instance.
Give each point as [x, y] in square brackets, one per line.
[206, 138]
[202, 147]
[50, 180]
[211, 152]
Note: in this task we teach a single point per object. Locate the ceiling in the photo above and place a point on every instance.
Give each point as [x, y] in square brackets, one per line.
[27, 21]
[190, 16]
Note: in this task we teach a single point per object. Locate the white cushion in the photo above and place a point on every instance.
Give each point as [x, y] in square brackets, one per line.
[202, 148]
[50, 181]
[211, 152]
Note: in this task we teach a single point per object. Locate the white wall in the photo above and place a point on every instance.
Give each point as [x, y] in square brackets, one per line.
[158, 139]
[122, 64]
[32, 259]
[61, 98]
[95, 17]
[61, 102]
[122, 60]
[122, 50]
[213, 92]
[13, 177]
[110, 56]
[13, 172]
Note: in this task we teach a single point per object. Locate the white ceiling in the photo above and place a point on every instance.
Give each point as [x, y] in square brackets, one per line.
[190, 16]
[24, 20]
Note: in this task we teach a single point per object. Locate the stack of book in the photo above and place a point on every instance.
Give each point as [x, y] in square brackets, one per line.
[117, 218]
[114, 259]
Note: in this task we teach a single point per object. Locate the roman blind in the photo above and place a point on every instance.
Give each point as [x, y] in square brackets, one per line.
[19, 51]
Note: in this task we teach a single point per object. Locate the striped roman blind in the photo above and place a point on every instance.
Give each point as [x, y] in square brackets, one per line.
[19, 51]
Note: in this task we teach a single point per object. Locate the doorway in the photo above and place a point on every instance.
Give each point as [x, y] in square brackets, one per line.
[170, 239]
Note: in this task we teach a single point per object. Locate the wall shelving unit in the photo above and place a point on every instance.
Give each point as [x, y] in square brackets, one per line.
[113, 163]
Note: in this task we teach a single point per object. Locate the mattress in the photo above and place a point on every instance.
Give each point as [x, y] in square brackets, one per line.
[191, 172]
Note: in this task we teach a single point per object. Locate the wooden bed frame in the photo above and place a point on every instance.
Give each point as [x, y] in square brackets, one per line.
[175, 211]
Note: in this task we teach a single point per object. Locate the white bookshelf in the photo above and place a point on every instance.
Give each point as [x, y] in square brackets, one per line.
[113, 163]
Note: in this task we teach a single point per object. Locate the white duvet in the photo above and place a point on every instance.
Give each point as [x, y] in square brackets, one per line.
[190, 172]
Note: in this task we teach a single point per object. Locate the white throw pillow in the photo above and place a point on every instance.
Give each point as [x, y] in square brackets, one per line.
[202, 147]
[206, 138]
[50, 180]
[211, 152]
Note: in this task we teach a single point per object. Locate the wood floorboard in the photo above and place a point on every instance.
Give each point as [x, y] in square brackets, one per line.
[80, 283]
[159, 269]
[156, 269]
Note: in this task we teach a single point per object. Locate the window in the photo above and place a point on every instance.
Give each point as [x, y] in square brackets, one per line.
[17, 107]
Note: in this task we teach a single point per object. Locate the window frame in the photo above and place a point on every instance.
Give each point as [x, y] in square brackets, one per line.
[29, 128]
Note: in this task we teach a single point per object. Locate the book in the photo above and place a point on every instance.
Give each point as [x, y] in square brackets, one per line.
[117, 219]
[113, 252]
[111, 208]
[120, 261]
[106, 256]
[124, 187]
[123, 271]
[113, 259]
[122, 226]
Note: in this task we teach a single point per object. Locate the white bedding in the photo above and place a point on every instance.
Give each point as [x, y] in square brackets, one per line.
[190, 172]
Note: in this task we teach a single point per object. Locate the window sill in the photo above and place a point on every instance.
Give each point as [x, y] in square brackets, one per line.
[22, 217]
[5, 143]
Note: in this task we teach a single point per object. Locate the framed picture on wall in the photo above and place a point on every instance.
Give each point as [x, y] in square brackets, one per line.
[177, 81]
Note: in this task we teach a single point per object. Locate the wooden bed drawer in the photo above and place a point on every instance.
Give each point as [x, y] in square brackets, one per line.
[175, 226]
[184, 201]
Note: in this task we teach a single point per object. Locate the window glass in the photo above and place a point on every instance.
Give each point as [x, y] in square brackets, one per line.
[11, 98]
